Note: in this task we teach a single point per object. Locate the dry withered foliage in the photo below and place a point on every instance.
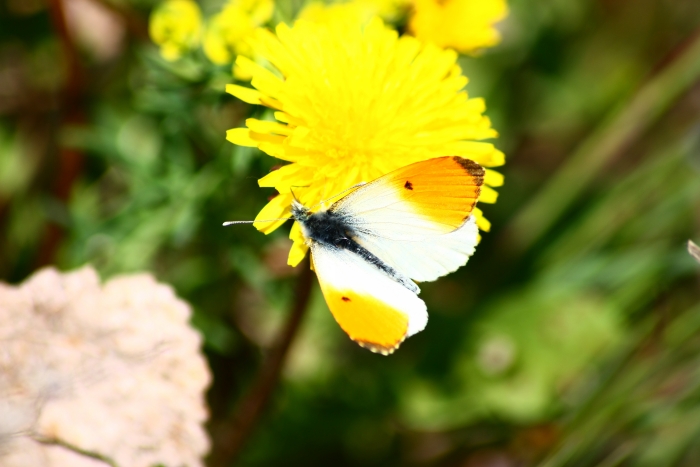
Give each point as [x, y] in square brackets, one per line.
[694, 250]
[95, 375]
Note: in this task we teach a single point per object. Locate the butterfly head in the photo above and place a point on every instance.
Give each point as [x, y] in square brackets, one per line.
[299, 211]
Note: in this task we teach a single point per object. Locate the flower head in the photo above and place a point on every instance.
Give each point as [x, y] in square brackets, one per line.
[360, 11]
[175, 25]
[464, 25]
[353, 103]
[227, 31]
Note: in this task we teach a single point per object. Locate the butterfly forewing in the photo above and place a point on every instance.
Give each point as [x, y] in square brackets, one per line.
[427, 198]
[418, 219]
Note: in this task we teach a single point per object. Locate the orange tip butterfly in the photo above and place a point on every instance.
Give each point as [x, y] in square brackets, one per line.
[415, 223]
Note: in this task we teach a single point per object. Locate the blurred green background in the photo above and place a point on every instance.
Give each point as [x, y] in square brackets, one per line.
[571, 337]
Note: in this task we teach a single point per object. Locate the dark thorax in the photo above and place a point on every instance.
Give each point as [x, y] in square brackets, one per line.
[333, 230]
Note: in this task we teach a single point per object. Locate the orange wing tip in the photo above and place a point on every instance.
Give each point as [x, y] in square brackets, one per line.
[477, 173]
[378, 348]
[472, 168]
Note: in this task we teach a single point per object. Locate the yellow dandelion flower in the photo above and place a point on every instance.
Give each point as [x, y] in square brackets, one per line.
[175, 25]
[353, 103]
[322, 13]
[464, 25]
[227, 31]
[360, 11]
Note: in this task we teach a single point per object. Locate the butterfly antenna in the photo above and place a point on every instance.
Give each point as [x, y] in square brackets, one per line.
[323, 197]
[250, 222]
[341, 193]
[292, 191]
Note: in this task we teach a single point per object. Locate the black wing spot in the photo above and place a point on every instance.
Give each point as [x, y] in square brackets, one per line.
[346, 299]
[408, 185]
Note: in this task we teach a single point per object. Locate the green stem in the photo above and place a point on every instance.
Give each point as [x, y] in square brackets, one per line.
[228, 447]
[76, 449]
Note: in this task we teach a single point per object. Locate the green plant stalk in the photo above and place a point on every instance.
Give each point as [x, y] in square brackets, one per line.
[75, 449]
[623, 126]
[607, 410]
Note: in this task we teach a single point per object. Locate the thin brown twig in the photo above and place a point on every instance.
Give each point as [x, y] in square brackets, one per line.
[74, 83]
[76, 449]
[229, 445]
[69, 161]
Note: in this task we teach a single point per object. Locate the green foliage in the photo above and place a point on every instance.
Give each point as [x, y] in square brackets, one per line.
[585, 329]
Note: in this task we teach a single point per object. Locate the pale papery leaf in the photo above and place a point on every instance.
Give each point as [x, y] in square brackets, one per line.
[111, 369]
[694, 250]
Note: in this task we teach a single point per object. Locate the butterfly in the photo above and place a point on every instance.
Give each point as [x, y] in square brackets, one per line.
[413, 224]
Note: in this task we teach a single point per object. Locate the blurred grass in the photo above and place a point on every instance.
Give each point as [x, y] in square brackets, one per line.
[645, 413]
[619, 129]
[569, 338]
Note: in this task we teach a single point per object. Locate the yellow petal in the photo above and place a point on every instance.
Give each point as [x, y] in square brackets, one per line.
[465, 25]
[241, 137]
[274, 212]
[488, 195]
[170, 52]
[295, 233]
[494, 159]
[481, 221]
[278, 151]
[262, 11]
[270, 102]
[240, 74]
[299, 248]
[175, 25]
[292, 175]
[262, 126]
[493, 178]
[266, 138]
[485, 154]
[286, 118]
[263, 79]
[215, 47]
[251, 96]
[256, 69]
